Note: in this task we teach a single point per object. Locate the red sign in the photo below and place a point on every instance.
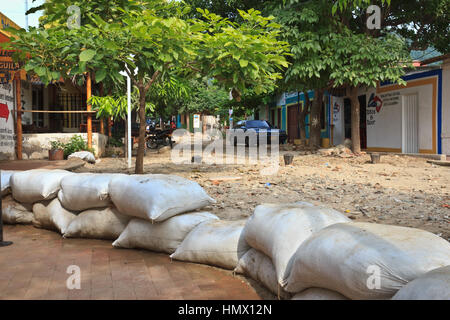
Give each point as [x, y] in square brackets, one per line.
[4, 111]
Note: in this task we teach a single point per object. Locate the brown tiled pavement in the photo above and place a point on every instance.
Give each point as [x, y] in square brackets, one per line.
[69, 164]
[35, 267]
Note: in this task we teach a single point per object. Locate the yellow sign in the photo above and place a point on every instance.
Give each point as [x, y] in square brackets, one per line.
[7, 22]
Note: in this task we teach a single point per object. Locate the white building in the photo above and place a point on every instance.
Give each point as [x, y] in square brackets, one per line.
[404, 119]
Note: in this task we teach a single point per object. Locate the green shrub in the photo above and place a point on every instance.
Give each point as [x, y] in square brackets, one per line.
[115, 142]
[75, 144]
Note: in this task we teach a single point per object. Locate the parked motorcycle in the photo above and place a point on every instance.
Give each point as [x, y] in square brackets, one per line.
[157, 137]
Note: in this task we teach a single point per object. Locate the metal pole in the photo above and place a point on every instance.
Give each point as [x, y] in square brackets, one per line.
[26, 16]
[2, 243]
[129, 119]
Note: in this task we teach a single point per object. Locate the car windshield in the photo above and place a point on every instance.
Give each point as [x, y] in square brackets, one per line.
[258, 124]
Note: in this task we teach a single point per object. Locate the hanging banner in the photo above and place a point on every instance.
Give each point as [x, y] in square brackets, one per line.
[6, 122]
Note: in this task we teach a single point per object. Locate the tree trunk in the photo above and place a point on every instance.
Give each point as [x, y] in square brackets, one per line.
[355, 109]
[314, 122]
[141, 144]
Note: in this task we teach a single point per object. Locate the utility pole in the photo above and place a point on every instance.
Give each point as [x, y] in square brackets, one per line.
[26, 16]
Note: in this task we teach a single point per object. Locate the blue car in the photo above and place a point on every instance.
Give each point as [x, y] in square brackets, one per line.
[258, 126]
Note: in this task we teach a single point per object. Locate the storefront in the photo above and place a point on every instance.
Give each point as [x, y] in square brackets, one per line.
[400, 119]
[52, 112]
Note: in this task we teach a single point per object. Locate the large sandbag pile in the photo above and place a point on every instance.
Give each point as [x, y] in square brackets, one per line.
[278, 230]
[218, 243]
[85, 191]
[51, 215]
[318, 294]
[106, 223]
[156, 197]
[349, 258]
[434, 285]
[260, 268]
[36, 185]
[164, 236]
[5, 186]
[14, 212]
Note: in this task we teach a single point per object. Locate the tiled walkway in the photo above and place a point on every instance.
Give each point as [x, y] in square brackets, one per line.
[35, 267]
[70, 164]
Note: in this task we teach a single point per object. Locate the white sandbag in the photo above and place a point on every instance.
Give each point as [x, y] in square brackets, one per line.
[51, 215]
[83, 155]
[278, 230]
[16, 213]
[156, 197]
[85, 191]
[5, 186]
[318, 294]
[218, 243]
[434, 285]
[163, 236]
[260, 268]
[366, 260]
[36, 185]
[106, 223]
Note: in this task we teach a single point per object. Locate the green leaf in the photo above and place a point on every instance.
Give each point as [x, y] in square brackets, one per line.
[100, 75]
[243, 63]
[87, 55]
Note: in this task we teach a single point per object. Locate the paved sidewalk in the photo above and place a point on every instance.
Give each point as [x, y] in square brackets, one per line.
[70, 164]
[35, 266]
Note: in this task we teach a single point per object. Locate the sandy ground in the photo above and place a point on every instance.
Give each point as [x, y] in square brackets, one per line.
[401, 190]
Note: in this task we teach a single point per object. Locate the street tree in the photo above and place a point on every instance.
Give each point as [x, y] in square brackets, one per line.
[153, 42]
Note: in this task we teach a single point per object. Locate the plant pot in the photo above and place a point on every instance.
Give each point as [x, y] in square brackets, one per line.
[375, 158]
[55, 154]
[288, 158]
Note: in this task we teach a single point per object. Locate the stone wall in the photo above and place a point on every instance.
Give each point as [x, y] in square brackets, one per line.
[36, 145]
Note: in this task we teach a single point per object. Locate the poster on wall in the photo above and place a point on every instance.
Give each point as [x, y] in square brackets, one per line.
[196, 121]
[6, 121]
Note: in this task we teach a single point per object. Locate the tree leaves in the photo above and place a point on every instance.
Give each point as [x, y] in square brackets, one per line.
[87, 55]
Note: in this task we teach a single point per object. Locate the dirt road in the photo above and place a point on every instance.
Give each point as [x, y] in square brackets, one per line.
[401, 190]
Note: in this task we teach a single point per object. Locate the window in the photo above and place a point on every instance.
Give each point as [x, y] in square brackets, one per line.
[37, 103]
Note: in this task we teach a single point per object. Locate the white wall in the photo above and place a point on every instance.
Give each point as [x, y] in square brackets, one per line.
[384, 128]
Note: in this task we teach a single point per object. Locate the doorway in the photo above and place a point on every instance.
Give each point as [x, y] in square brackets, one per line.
[279, 118]
[292, 123]
[410, 124]
[362, 120]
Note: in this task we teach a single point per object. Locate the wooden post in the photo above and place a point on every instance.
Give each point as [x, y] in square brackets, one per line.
[19, 116]
[89, 107]
[110, 122]
[102, 123]
[109, 127]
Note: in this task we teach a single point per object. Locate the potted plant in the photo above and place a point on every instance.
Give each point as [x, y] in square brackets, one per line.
[56, 151]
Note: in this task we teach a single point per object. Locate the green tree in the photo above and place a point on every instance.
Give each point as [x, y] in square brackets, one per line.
[153, 42]
[364, 57]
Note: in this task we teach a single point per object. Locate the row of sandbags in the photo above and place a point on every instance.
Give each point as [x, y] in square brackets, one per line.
[317, 253]
[152, 212]
[295, 250]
